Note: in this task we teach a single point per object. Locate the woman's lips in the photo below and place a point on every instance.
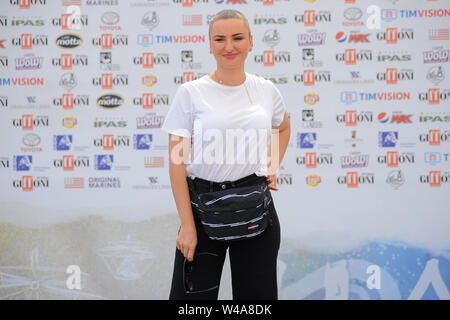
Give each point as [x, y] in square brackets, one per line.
[230, 55]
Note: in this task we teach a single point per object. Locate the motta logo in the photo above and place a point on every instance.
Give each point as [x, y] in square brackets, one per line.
[352, 118]
[310, 77]
[353, 179]
[434, 137]
[30, 183]
[107, 41]
[149, 100]
[108, 142]
[29, 122]
[68, 41]
[309, 18]
[27, 41]
[26, 4]
[107, 80]
[69, 162]
[393, 158]
[69, 100]
[148, 59]
[393, 75]
[393, 35]
[435, 96]
[67, 61]
[110, 101]
[351, 56]
[69, 21]
[311, 159]
[435, 178]
[269, 58]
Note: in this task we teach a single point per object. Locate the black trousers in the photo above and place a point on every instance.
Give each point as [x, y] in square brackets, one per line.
[253, 261]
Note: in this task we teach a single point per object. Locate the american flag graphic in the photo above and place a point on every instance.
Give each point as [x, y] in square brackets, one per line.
[192, 20]
[73, 183]
[71, 3]
[439, 34]
[154, 162]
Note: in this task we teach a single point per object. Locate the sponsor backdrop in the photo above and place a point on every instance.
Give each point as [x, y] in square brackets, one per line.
[364, 187]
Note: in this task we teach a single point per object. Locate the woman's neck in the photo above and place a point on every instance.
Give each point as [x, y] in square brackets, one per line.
[229, 77]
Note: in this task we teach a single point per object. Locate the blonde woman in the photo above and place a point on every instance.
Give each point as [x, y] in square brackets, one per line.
[205, 119]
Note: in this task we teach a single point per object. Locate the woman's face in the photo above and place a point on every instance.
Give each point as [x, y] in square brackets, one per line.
[230, 43]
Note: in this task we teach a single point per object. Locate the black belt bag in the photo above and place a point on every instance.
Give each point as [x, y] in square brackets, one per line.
[233, 214]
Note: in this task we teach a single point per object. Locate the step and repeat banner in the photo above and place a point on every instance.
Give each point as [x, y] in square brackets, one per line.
[86, 207]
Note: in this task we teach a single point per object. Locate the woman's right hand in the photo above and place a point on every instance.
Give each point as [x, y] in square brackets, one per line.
[187, 241]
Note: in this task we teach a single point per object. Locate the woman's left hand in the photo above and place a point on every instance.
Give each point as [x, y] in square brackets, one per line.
[272, 179]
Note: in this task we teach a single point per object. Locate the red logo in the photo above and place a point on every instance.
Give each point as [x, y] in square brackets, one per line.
[433, 96]
[350, 56]
[308, 77]
[106, 41]
[147, 100]
[434, 137]
[352, 179]
[108, 142]
[27, 122]
[392, 159]
[188, 76]
[66, 61]
[309, 19]
[27, 183]
[66, 21]
[435, 178]
[350, 118]
[107, 80]
[391, 76]
[391, 35]
[269, 58]
[147, 60]
[311, 160]
[24, 4]
[26, 41]
[68, 163]
[67, 101]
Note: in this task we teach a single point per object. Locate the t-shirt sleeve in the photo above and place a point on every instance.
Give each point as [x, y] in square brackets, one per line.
[279, 107]
[178, 120]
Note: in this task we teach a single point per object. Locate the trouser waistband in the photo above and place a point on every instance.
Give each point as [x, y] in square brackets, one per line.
[203, 184]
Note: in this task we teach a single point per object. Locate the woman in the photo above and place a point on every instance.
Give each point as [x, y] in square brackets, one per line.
[203, 116]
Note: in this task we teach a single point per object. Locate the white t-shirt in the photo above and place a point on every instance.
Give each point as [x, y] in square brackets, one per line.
[230, 129]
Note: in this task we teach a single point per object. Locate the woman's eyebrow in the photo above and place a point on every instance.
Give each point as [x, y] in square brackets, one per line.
[221, 36]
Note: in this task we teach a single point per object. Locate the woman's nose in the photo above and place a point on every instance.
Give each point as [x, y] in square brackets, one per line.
[229, 45]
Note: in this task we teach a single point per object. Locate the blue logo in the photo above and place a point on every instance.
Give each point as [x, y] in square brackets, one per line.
[389, 15]
[62, 142]
[145, 39]
[22, 163]
[348, 97]
[142, 141]
[387, 139]
[103, 161]
[306, 140]
[432, 158]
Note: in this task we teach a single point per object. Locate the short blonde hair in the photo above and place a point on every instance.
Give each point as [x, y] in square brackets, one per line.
[229, 14]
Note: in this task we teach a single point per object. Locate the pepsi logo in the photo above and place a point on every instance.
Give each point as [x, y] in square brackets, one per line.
[341, 37]
[383, 117]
